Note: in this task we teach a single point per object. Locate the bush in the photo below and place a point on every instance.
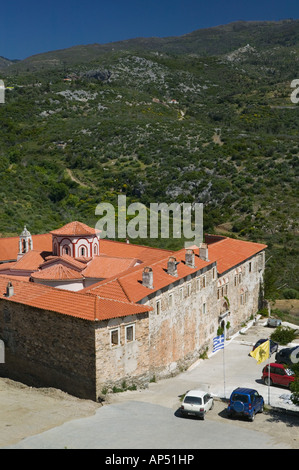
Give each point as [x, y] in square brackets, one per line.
[290, 294]
[283, 335]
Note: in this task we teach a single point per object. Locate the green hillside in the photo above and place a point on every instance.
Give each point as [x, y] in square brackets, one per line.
[229, 139]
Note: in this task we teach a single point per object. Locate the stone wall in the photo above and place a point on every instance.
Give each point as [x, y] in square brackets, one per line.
[47, 349]
[122, 360]
[182, 323]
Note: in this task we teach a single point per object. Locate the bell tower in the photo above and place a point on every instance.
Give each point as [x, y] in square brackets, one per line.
[25, 242]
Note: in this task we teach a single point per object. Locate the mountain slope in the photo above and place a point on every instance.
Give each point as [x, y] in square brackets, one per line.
[159, 127]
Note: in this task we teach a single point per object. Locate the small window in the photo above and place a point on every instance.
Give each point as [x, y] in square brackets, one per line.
[170, 300]
[242, 299]
[189, 289]
[250, 267]
[214, 274]
[82, 251]
[130, 333]
[158, 307]
[66, 250]
[197, 285]
[236, 281]
[204, 281]
[204, 308]
[114, 337]
[240, 278]
[181, 293]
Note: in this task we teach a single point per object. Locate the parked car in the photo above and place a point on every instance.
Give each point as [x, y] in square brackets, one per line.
[273, 322]
[288, 356]
[196, 403]
[273, 345]
[245, 402]
[279, 375]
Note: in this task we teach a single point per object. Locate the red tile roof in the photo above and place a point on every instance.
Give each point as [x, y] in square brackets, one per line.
[58, 272]
[75, 229]
[76, 304]
[9, 247]
[230, 252]
[107, 266]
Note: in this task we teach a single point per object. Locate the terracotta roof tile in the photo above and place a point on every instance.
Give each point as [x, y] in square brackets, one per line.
[57, 272]
[75, 229]
[230, 252]
[9, 247]
[107, 266]
[76, 304]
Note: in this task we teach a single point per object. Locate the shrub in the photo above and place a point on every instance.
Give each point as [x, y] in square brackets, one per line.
[283, 335]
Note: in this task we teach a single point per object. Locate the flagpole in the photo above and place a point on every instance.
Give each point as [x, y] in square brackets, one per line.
[269, 377]
[224, 368]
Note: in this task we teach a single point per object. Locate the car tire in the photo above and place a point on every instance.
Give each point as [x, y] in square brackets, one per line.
[251, 418]
[268, 381]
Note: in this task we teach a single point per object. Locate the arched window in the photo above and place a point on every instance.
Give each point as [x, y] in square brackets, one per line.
[66, 250]
[82, 251]
[95, 250]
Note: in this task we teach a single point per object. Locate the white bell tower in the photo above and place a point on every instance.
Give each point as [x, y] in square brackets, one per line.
[25, 242]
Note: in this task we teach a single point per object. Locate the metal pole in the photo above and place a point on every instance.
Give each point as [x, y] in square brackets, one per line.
[224, 367]
[269, 378]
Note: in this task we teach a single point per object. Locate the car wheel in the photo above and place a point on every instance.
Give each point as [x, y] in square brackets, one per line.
[267, 381]
[251, 418]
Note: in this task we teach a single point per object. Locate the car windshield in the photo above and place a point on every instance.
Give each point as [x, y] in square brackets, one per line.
[239, 397]
[193, 400]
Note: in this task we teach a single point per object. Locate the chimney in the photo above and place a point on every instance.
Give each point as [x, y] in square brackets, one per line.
[203, 252]
[148, 278]
[9, 290]
[172, 266]
[190, 258]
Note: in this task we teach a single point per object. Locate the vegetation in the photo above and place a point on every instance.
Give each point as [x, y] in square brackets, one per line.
[283, 335]
[229, 139]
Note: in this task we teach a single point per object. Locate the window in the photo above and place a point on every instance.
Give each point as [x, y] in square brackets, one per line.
[250, 267]
[214, 274]
[198, 285]
[170, 300]
[181, 293]
[82, 251]
[114, 337]
[236, 281]
[189, 289]
[204, 308]
[130, 333]
[240, 278]
[158, 307]
[95, 250]
[242, 299]
[65, 250]
[203, 281]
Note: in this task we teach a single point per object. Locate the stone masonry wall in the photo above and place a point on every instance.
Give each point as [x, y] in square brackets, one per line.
[127, 362]
[47, 349]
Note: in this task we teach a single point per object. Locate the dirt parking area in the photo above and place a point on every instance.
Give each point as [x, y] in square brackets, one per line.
[26, 411]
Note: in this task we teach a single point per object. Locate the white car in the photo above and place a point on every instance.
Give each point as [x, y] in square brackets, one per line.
[196, 403]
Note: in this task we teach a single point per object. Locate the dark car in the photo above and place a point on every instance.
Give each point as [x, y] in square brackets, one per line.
[279, 375]
[288, 356]
[273, 345]
[245, 402]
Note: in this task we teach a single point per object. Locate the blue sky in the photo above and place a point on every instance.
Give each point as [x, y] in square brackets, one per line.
[31, 27]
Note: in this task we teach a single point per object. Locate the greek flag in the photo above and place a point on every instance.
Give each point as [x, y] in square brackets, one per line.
[218, 343]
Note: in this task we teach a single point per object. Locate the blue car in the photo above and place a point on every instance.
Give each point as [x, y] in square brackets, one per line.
[245, 402]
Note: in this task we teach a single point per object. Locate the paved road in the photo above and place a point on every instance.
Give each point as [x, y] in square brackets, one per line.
[148, 419]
